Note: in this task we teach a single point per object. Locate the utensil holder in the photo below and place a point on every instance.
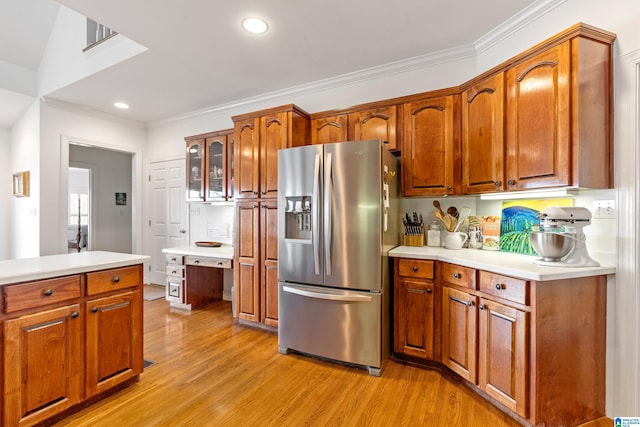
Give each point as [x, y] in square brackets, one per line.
[414, 239]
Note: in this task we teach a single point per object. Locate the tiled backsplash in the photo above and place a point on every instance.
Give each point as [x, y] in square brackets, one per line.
[601, 233]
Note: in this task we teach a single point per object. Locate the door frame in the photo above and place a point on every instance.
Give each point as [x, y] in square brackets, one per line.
[136, 188]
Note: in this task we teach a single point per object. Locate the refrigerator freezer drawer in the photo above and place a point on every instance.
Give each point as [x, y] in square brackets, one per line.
[336, 324]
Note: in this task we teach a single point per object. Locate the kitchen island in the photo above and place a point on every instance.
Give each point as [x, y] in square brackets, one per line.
[530, 339]
[71, 332]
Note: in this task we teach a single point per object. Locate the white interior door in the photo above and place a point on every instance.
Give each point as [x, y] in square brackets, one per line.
[168, 214]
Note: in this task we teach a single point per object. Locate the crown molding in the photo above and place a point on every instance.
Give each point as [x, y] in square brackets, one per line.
[471, 50]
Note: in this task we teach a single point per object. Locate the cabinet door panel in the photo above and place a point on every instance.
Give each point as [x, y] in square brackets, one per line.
[379, 123]
[483, 136]
[415, 318]
[538, 120]
[247, 157]
[269, 262]
[459, 314]
[273, 136]
[195, 170]
[502, 354]
[216, 171]
[247, 264]
[329, 129]
[42, 365]
[113, 356]
[428, 149]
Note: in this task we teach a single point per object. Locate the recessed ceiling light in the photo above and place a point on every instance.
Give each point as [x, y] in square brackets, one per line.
[121, 105]
[255, 25]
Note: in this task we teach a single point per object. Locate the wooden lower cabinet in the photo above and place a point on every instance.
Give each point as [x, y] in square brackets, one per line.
[42, 365]
[414, 307]
[111, 356]
[81, 335]
[535, 349]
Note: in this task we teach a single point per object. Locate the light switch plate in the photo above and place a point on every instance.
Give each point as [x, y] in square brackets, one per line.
[604, 209]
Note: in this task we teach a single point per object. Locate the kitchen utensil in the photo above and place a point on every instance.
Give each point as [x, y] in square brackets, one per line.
[453, 211]
[464, 214]
[551, 246]
[445, 219]
[455, 240]
[437, 205]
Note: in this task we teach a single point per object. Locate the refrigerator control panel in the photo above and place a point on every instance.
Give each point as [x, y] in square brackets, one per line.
[298, 218]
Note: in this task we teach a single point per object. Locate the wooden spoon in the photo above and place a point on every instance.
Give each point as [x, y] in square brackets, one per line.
[453, 212]
[437, 205]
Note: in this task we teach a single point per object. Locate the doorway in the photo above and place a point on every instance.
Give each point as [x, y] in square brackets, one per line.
[79, 211]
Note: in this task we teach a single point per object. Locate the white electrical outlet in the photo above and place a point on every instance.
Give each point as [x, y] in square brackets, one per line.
[604, 209]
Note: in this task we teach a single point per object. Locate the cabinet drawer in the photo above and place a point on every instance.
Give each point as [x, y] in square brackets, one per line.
[511, 289]
[173, 259]
[42, 292]
[208, 262]
[415, 268]
[113, 279]
[458, 275]
[174, 270]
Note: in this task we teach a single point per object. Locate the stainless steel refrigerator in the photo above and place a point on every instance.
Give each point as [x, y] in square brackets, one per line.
[337, 220]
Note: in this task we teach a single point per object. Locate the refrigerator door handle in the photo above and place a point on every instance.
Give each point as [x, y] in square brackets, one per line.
[328, 190]
[315, 214]
[332, 297]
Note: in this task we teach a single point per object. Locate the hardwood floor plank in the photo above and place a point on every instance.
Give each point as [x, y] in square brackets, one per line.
[211, 371]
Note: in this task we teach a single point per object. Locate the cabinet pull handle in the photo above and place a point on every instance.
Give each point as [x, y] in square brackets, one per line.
[511, 182]
[47, 292]
[457, 275]
[467, 303]
[429, 290]
[500, 286]
[94, 310]
[415, 268]
[498, 183]
[196, 261]
[75, 314]
[116, 279]
[481, 306]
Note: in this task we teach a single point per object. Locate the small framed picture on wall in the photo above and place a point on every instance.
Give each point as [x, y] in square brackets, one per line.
[21, 184]
[121, 199]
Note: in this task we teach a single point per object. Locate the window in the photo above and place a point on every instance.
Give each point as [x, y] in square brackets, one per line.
[97, 32]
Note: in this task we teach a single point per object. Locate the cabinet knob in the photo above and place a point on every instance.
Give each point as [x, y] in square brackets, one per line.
[457, 275]
[470, 303]
[500, 286]
[481, 306]
[183, 231]
[94, 310]
[511, 182]
[116, 279]
[47, 292]
[449, 188]
[498, 183]
[75, 314]
[429, 290]
[415, 268]
[197, 261]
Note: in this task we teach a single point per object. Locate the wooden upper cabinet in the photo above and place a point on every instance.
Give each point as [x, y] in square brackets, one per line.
[325, 130]
[429, 146]
[247, 149]
[483, 151]
[538, 120]
[210, 166]
[258, 137]
[378, 123]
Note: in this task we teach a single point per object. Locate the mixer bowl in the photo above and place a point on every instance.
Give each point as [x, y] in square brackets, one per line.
[551, 246]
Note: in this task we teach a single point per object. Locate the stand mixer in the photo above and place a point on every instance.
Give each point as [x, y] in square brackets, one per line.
[568, 222]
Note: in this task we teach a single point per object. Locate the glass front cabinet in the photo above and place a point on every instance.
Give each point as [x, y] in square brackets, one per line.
[210, 166]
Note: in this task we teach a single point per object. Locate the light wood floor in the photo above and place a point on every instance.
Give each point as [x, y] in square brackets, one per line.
[212, 372]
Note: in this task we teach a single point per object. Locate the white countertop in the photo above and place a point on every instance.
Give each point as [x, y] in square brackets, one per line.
[225, 251]
[509, 264]
[27, 269]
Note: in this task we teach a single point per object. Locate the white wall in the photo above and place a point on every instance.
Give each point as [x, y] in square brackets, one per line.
[60, 124]
[111, 226]
[5, 194]
[25, 156]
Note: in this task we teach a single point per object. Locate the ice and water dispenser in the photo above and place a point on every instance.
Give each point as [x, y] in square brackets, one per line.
[298, 218]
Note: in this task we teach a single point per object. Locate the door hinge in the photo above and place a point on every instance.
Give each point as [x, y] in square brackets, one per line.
[149, 223]
[149, 178]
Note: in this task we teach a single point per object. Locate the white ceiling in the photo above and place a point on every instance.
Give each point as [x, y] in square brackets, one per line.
[199, 57]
